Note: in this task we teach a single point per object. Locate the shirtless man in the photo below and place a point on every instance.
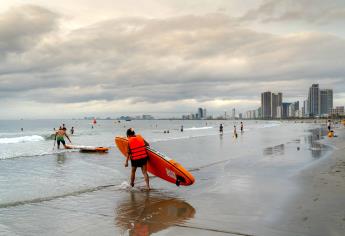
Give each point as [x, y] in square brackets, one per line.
[59, 137]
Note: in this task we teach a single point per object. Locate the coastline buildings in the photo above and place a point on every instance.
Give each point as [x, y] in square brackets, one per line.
[233, 114]
[320, 101]
[252, 114]
[204, 114]
[305, 111]
[293, 110]
[199, 115]
[338, 111]
[276, 102]
[270, 103]
[313, 100]
[266, 105]
[325, 101]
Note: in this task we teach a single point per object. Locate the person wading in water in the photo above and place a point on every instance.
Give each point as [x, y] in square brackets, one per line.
[138, 155]
[59, 137]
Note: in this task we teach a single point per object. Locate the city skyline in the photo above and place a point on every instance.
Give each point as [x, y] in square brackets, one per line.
[63, 59]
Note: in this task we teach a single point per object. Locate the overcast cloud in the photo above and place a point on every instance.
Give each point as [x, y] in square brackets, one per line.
[136, 63]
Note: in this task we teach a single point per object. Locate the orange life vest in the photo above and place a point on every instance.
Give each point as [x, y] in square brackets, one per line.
[137, 148]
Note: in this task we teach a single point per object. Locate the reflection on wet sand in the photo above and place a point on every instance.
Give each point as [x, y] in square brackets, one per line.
[144, 213]
[276, 150]
[315, 147]
[312, 139]
[60, 158]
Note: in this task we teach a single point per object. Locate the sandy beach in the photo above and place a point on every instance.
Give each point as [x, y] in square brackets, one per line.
[274, 179]
[320, 208]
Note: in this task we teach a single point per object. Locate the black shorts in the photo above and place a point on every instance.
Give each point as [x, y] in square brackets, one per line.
[139, 162]
[62, 141]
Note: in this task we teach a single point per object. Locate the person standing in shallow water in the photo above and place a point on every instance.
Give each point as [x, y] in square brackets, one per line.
[329, 125]
[221, 128]
[241, 127]
[138, 155]
[59, 137]
[235, 132]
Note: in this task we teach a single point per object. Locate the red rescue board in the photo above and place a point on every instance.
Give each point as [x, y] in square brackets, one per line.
[160, 165]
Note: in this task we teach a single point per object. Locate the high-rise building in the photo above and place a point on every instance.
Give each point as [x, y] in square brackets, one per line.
[251, 114]
[204, 113]
[259, 113]
[233, 113]
[296, 105]
[269, 103]
[313, 100]
[199, 114]
[285, 110]
[275, 102]
[266, 110]
[293, 109]
[279, 112]
[325, 101]
[305, 109]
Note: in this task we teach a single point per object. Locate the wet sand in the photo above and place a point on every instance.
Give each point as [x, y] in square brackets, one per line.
[320, 208]
[252, 185]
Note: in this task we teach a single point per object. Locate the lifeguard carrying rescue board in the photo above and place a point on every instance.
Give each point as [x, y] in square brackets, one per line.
[160, 165]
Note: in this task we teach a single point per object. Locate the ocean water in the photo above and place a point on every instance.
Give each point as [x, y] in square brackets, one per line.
[38, 181]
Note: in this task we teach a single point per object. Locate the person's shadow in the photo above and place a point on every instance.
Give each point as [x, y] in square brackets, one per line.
[144, 213]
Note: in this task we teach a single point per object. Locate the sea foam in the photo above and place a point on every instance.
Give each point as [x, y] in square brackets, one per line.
[22, 139]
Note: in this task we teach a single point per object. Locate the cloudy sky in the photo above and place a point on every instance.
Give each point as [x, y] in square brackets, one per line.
[80, 58]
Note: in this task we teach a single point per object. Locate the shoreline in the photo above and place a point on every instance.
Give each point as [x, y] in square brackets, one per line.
[259, 184]
[319, 207]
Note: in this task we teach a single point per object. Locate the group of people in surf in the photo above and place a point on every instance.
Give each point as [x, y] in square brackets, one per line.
[221, 129]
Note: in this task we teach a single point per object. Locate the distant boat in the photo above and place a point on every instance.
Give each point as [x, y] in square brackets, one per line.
[128, 119]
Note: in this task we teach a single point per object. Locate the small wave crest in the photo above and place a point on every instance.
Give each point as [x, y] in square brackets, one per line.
[198, 128]
[271, 125]
[22, 139]
[36, 154]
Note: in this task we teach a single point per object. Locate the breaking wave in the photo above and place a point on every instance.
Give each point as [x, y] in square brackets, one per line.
[22, 139]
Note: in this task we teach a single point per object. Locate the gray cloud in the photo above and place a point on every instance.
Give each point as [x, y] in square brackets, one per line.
[312, 11]
[203, 57]
[21, 28]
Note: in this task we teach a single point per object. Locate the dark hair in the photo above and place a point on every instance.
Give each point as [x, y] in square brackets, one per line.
[130, 132]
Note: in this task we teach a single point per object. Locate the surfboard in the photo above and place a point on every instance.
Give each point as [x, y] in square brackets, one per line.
[83, 148]
[160, 165]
